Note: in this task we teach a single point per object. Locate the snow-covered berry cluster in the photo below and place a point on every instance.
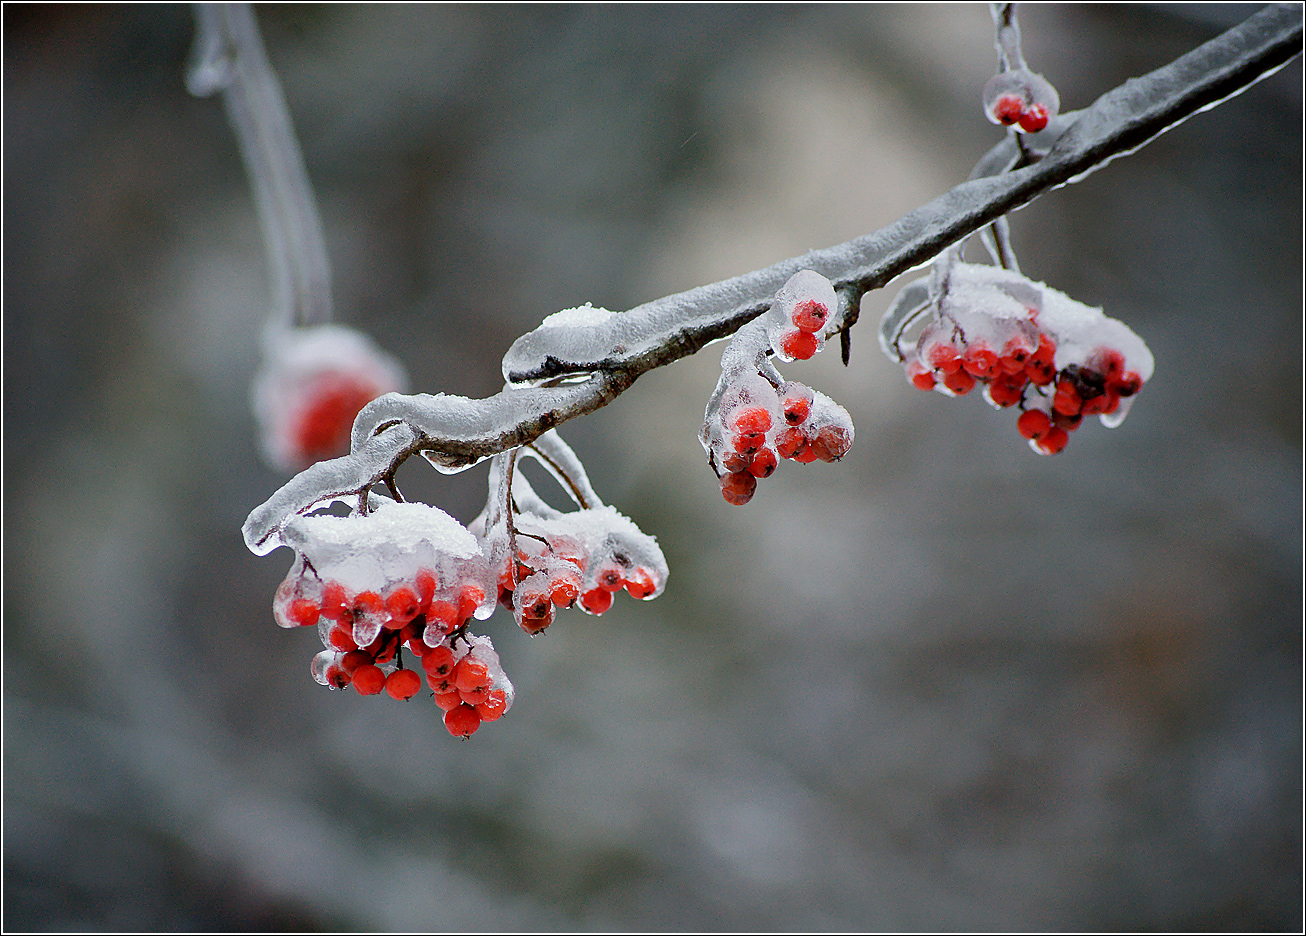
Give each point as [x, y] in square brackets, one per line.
[1027, 344]
[544, 559]
[756, 417]
[1019, 98]
[312, 384]
[402, 576]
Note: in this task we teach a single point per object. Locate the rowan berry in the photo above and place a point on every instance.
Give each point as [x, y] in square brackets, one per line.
[959, 382]
[469, 599]
[597, 600]
[564, 591]
[303, 612]
[831, 443]
[1006, 389]
[751, 419]
[438, 661]
[494, 705]
[443, 615]
[341, 638]
[446, 700]
[799, 345]
[805, 455]
[979, 361]
[1008, 109]
[1041, 369]
[920, 378]
[403, 684]
[403, 605]
[335, 601]
[736, 461]
[789, 442]
[1034, 119]
[738, 487]
[426, 586]
[944, 357]
[1066, 400]
[337, 676]
[462, 721]
[470, 673]
[324, 426]
[1051, 443]
[796, 403]
[367, 602]
[641, 584]
[763, 464]
[1033, 424]
[369, 679]
[352, 660]
[810, 315]
[610, 577]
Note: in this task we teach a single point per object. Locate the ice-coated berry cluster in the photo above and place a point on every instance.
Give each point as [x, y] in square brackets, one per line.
[312, 384]
[549, 560]
[403, 576]
[755, 417]
[1018, 98]
[1029, 346]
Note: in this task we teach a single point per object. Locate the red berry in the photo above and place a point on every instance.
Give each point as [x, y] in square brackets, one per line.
[641, 584]
[444, 614]
[368, 679]
[763, 464]
[470, 673]
[979, 362]
[738, 487]
[324, 427]
[469, 599]
[789, 442]
[1129, 384]
[611, 578]
[337, 676]
[1055, 440]
[462, 721]
[403, 605]
[1034, 119]
[1008, 109]
[1066, 400]
[799, 345]
[1041, 369]
[446, 700]
[810, 315]
[596, 601]
[334, 601]
[944, 357]
[303, 612]
[438, 661]
[1033, 424]
[831, 443]
[563, 592]
[536, 625]
[736, 461]
[426, 585]
[920, 378]
[368, 602]
[796, 408]
[751, 419]
[805, 455]
[959, 382]
[341, 638]
[1006, 389]
[403, 684]
[495, 704]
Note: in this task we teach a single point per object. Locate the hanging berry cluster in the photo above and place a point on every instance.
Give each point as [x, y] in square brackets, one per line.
[756, 417]
[1028, 346]
[1016, 97]
[408, 578]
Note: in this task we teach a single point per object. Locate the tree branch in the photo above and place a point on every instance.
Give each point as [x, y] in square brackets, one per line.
[608, 356]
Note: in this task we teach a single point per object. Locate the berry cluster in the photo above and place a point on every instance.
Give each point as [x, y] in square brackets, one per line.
[755, 417]
[404, 576]
[1028, 346]
[562, 559]
[312, 385]
[1019, 98]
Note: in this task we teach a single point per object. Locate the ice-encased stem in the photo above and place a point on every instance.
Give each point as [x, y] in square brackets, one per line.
[228, 56]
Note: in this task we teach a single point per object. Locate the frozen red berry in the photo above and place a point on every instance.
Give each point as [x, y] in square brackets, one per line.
[403, 684]
[1008, 109]
[831, 443]
[462, 721]
[810, 315]
[369, 679]
[959, 382]
[1054, 441]
[596, 601]
[493, 706]
[738, 487]
[799, 345]
[470, 673]
[763, 464]
[1034, 119]
[1033, 424]
[403, 605]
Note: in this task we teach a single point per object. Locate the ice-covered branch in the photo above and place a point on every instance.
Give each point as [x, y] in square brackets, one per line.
[228, 57]
[606, 353]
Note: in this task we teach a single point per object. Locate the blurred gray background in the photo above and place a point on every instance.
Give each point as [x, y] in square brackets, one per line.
[944, 683]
